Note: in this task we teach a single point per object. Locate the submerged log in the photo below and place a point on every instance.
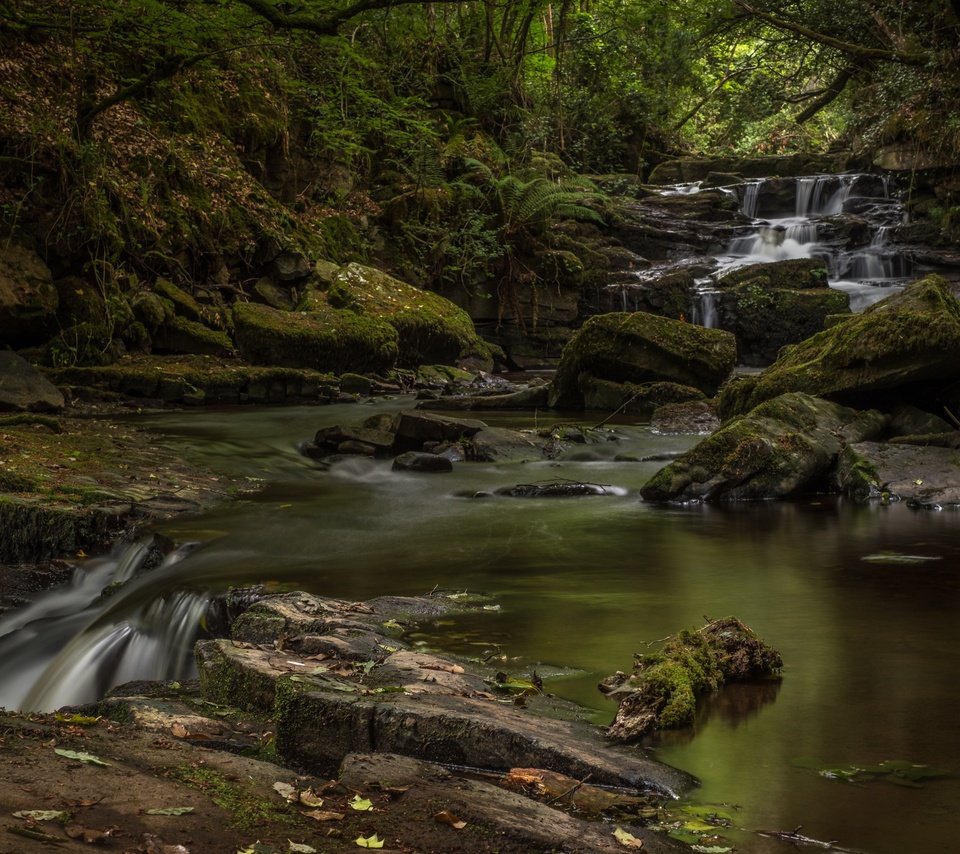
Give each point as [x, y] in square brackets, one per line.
[663, 689]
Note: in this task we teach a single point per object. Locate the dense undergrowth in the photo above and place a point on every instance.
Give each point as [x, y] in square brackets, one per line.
[204, 142]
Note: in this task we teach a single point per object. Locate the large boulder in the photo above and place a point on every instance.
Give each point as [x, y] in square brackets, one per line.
[698, 169]
[783, 447]
[901, 349]
[325, 338]
[430, 329]
[641, 348]
[767, 306]
[23, 388]
[28, 298]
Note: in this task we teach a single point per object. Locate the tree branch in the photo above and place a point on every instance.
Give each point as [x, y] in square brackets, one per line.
[330, 25]
[829, 95]
[849, 48]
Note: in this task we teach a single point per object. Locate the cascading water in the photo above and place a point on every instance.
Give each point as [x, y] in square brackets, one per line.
[865, 272]
[75, 643]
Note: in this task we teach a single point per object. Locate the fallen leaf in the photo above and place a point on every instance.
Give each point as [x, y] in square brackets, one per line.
[447, 817]
[43, 815]
[89, 758]
[178, 730]
[361, 804]
[286, 791]
[88, 834]
[309, 798]
[369, 841]
[170, 811]
[627, 840]
[325, 815]
[300, 848]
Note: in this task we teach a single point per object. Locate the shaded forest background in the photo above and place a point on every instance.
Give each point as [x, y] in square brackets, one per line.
[199, 140]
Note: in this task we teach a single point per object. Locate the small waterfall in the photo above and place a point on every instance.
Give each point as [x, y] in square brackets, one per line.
[751, 199]
[881, 237]
[706, 304]
[73, 644]
[769, 243]
[681, 189]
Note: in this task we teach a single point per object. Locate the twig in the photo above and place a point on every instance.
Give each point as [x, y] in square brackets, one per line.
[569, 791]
[617, 411]
[952, 417]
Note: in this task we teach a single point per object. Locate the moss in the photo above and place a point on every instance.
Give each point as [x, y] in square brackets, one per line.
[907, 338]
[639, 347]
[181, 335]
[151, 310]
[183, 303]
[430, 329]
[666, 684]
[11, 481]
[246, 808]
[323, 338]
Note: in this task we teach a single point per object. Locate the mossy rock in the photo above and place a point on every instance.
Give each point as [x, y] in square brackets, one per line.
[83, 344]
[184, 304]
[793, 274]
[662, 692]
[782, 448]
[640, 348]
[181, 335]
[430, 329]
[152, 310]
[28, 298]
[324, 338]
[79, 302]
[883, 357]
[631, 398]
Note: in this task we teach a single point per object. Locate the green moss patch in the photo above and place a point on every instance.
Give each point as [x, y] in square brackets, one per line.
[663, 689]
[323, 338]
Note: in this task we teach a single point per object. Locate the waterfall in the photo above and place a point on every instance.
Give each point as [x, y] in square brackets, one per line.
[73, 644]
[881, 237]
[706, 306]
[751, 199]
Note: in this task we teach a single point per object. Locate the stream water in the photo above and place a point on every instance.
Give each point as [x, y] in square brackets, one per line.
[861, 601]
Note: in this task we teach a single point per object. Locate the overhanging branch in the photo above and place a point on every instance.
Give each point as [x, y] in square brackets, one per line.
[854, 50]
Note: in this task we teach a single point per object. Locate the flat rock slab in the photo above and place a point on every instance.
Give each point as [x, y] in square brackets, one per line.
[24, 389]
[321, 715]
[511, 816]
[924, 477]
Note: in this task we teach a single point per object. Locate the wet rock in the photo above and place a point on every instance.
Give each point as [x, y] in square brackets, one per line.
[639, 348]
[908, 420]
[494, 810]
[662, 691]
[783, 447]
[413, 429]
[631, 398]
[499, 444]
[24, 389]
[924, 477]
[900, 350]
[329, 440]
[697, 169]
[767, 306]
[28, 298]
[533, 397]
[417, 461]
[559, 489]
[695, 416]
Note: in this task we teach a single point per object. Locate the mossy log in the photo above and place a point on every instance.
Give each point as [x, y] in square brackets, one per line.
[663, 689]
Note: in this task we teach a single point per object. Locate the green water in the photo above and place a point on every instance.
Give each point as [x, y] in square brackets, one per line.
[870, 644]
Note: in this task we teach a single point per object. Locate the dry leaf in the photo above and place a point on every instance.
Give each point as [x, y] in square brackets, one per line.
[627, 840]
[178, 730]
[324, 815]
[447, 817]
[309, 798]
[286, 791]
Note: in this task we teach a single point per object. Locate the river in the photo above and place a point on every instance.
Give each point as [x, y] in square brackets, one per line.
[861, 601]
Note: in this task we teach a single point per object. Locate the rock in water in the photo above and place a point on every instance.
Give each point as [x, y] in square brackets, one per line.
[901, 349]
[24, 389]
[663, 688]
[636, 347]
[781, 448]
[420, 462]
